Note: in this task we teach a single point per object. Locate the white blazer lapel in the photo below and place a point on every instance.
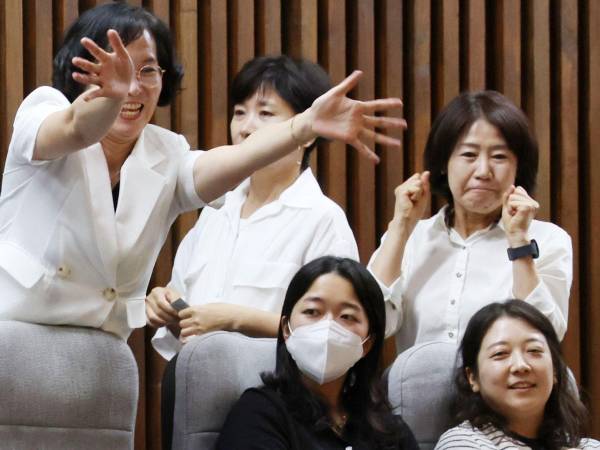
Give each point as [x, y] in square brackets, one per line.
[100, 197]
[140, 189]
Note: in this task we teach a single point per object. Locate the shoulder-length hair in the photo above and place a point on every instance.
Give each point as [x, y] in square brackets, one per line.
[456, 119]
[369, 413]
[564, 415]
[130, 22]
[298, 82]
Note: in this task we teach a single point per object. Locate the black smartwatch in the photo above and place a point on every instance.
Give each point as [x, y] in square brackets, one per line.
[530, 249]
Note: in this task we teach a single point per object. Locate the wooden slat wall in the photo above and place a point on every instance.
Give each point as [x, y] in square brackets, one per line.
[543, 54]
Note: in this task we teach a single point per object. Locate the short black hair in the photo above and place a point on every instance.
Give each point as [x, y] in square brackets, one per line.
[564, 415]
[130, 22]
[455, 120]
[297, 81]
[363, 397]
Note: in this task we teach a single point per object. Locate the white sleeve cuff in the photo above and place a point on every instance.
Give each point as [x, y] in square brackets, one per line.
[542, 299]
[165, 344]
[393, 304]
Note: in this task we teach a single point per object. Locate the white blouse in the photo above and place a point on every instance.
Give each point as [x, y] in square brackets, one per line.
[446, 279]
[251, 261]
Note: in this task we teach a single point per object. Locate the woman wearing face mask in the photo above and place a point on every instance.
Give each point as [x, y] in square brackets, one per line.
[514, 390]
[90, 188]
[325, 392]
[484, 245]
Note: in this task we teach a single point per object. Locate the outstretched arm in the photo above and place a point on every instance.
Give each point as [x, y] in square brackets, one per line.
[332, 116]
[91, 115]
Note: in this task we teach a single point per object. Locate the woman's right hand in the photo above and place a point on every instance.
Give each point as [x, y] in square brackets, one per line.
[412, 198]
[112, 72]
[159, 311]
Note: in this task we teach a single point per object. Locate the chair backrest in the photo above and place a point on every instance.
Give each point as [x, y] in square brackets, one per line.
[65, 388]
[420, 389]
[212, 372]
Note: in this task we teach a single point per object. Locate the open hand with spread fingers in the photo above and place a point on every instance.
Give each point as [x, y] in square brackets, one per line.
[518, 210]
[112, 72]
[412, 198]
[336, 116]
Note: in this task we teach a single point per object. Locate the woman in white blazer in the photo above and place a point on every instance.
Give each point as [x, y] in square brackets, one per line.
[90, 188]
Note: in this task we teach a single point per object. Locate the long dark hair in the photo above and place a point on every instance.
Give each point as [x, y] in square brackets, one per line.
[564, 415]
[369, 413]
[130, 22]
[297, 81]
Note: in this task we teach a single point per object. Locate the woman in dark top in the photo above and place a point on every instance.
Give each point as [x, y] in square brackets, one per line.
[325, 392]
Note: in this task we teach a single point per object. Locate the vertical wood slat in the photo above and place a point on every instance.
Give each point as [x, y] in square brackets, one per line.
[241, 36]
[66, 11]
[448, 59]
[509, 49]
[567, 197]
[332, 157]
[474, 61]
[301, 29]
[11, 76]
[268, 13]
[38, 45]
[591, 344]
[212, 89]
[538, 91]
[362, 172]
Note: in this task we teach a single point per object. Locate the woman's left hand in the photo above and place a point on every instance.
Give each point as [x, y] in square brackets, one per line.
[200, 319]
[336, 116]
[518, 210]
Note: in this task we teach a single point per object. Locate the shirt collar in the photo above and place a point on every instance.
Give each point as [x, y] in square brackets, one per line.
[301, 194]
[440, 224]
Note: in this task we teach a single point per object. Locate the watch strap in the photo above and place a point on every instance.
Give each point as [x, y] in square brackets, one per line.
[530, 249]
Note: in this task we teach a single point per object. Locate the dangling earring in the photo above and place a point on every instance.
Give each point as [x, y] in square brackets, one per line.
[352, 379]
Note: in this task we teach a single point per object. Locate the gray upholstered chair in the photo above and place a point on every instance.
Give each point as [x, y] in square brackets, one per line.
[212, 372]
[420, 387]
[65, 388]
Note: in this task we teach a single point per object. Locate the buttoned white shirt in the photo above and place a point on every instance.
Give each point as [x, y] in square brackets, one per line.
[66, 256]
[251, 261]
[445, 279]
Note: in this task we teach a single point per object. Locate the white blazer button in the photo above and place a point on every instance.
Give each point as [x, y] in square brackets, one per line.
[109, 294]
[63, 271]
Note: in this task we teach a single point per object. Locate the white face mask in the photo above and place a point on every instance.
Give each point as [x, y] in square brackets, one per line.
[324, 350]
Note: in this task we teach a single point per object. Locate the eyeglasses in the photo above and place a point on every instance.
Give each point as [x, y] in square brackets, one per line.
[150, 75]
